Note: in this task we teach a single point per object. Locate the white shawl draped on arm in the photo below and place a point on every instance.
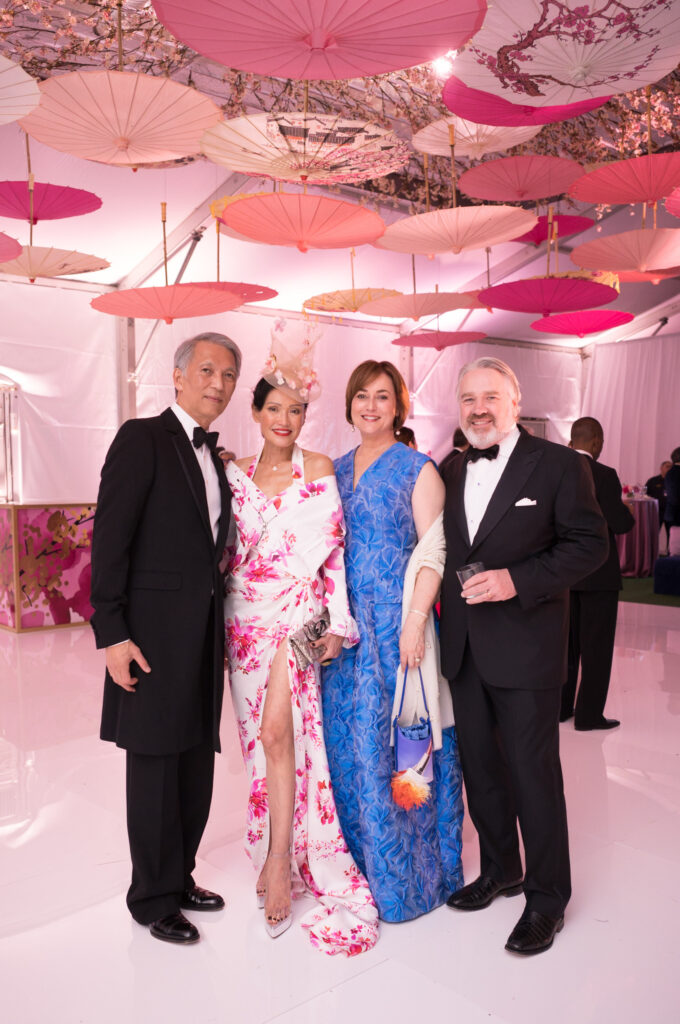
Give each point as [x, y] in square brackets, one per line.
[431, 551]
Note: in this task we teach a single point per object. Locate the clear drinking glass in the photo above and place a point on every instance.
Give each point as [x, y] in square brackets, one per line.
[466, 571]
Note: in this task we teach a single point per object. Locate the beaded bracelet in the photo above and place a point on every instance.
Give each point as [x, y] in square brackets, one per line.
[415, 611]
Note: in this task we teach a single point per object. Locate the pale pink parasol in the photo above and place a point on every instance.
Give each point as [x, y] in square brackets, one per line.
[644, 179]
[421, 304]
[456, 230]
[304, 221]
[308, 39]
[347, 300]
[41, 261]
[673, 203]
[518, 178]
[536, 51]
[485, 108]
[646, 276]
[640, 250]
[471, 140]
[566, 225]
[19, 93]
[587, 321]
[319, 148]
[50, 202]
[437, 339]
[176, 301]
[9, 247]
[546, 295]
[119, 117]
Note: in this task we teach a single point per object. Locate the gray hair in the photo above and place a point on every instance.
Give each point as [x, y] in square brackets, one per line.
[185, 351]
[490, 363]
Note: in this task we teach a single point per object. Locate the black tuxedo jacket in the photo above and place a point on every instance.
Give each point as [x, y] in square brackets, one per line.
[619, 519]
[156, 579]
[547, 542]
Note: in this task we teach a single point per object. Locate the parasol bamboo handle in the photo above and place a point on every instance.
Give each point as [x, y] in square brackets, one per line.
[452, 144]
[427, 181]
[217, 225]
[164, 207]
[119, 33]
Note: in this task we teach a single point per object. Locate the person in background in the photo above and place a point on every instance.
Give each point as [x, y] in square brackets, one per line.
[407, 437]
[656, 488]
[594, 600]
[460, 445]
[672, 511]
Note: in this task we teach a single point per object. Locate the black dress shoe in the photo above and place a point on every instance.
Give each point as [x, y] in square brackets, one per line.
[533, 933]
[201, 899]
[174, 928]
[482, 892]
[604, 723]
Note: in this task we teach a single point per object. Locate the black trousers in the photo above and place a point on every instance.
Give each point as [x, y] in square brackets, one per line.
[168, 800]
[509, 747]
[592, 628]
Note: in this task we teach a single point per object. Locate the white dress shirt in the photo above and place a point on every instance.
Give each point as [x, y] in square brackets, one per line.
[481, 480]
[212, 484]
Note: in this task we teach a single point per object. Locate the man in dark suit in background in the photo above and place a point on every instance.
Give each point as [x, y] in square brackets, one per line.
[656, 488]
[526, 509]
[594, 600]
[460, 446]
[159, 533]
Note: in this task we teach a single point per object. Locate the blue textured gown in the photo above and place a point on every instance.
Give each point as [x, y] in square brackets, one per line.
[412, 859]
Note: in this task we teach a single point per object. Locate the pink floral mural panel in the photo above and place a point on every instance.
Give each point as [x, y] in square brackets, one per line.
[54, 564]
[7, 595]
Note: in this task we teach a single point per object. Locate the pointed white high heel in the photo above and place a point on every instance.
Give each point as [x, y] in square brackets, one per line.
[276, 927]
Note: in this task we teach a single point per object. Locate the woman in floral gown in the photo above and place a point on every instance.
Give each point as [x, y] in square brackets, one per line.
[285, 566]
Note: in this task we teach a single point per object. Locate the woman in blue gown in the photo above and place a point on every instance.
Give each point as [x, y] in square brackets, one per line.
[390, 494]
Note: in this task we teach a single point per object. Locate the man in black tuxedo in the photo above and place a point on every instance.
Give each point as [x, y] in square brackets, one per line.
[159, 533]
[594, 600]
[526, 509]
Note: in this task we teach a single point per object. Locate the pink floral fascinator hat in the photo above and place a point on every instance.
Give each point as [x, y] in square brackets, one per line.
[291, 356]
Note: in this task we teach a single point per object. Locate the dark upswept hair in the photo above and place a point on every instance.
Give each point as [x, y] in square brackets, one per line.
[261, 392]
[366, 372]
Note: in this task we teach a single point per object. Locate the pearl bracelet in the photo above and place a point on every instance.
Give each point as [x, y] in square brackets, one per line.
[414, 611]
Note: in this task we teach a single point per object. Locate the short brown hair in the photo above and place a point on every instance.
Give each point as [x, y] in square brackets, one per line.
[366, 372]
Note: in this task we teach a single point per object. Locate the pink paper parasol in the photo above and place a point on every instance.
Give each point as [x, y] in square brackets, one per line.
[646, 276]
[588, 321]
[485, 108]
[19, 93]
[421, 304]
[566, 225]
[43, 261]
[644, 179]
[119, 117]
[304, 221]
[517, 178]
[437, 339]
[456, 230]
[640, 250]
[471, 140]
[9, 248]
[673, 203]
[307, 39]
[538, 51]
[176, 301]
[546, 295]
[50, 202]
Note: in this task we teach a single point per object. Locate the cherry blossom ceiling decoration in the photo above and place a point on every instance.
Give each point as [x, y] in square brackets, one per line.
[120, 117]
[321, 149]
[640, 250]
[10, 248]
[336, 39]
[420, 304]
[644, 179]
[519, 178]
[581, 323]
[19, 93]
[456, 230]
[347, 300]
[437, 339]
[43, 261]
[179, 301]
[303, 221]
[560, 51]
[470, 139]
[556, 293]
[49, 202]
[566, 225]
[486, 108]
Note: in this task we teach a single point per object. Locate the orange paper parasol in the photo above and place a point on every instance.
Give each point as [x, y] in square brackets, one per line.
[176, 301]
[119, 117]
[40, 261]
[19, 93]
[437, 339]
[517, 178]
[645, 179]
[456, 230]
[639, 250]
[346, 300]
[472, 140]
[421, 304]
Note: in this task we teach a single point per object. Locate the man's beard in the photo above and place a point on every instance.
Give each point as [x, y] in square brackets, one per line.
[484, 438]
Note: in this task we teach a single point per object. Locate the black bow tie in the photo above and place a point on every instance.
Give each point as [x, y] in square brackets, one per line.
[202, 436]
[472, 454]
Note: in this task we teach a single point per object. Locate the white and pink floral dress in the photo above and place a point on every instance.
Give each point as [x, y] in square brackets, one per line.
[286, 563]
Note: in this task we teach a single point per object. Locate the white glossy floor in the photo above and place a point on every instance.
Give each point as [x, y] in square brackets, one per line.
[70, 954]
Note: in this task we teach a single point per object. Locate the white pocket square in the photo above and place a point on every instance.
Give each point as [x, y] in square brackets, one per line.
[525, 501]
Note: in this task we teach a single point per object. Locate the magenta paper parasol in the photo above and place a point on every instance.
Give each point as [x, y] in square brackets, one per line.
[546, 295]
[673, 203]
[421, 304]
[517, 178]
[176, 301]
[587, 321]
[437, 339]
[50, 202]
[643, 250]
[566, 225]
[644, 179]
[311, 39]
[485, 108]
[304, 221]
[9, 248]
[559, 51]
[456, 230]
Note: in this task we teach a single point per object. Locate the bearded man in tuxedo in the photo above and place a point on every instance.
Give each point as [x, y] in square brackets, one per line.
[159, 533]
[525, 508]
